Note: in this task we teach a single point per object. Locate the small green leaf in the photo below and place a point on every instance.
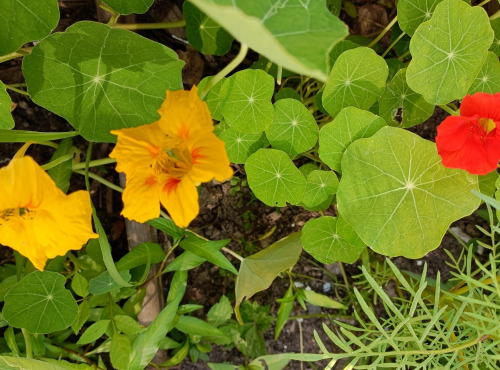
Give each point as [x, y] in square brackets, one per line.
[185, 261]
[120, 351]
[213, 98]
[127, 325]
[40, 303]
[401, 106]
[61, 173]
[101, 78]
[273, 178]
[411, 13]
[331, 239]
[80, 285]
[339, 48]
[194, 326]
[293, 129]
[141, 255]
[81, 318]
[488, 79]
[126, 7]
[104, 283]
[247, 106]
[448, 51]
[6, 120]
[239, 145]
[208, 250]
[94, 332]
[350, 125]
[220, 312]
[495, 47]
[287, 93]
[286, 306]
[321, 300]
[320, 186]
[167, 226]
[203, 33]
[357, 79]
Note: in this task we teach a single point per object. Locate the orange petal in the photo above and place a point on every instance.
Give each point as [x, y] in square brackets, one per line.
[209, 159]
[141, 197]
[181, 201]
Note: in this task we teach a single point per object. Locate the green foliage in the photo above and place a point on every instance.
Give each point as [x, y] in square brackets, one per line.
[61, 173]
[488, 78]
[126, 7]
[6, 121]
[239, 145]
[320, 188]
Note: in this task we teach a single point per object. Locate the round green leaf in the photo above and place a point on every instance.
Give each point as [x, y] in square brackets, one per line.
[320, 186]
[401, 106]
[203, 33]
[239, 145]
[6, 121]
[448, 51]
[331, 239]
[247, 106]
[488, 79]
[213, 97]
[126, 7]
[495, 47]
[398, 196]
[339, 48]
[40, 303]
[357, 79]
[273, 178]
[294, 129]
[101, 79]
[286, 93]
[413, 12]
[22, 21]
[350, 124]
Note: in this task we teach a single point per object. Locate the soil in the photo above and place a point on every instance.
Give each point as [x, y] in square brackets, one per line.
[222, 215]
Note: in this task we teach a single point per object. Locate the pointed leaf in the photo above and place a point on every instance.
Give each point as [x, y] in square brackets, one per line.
[6, 120]
[94, 332]
[143, 254]
[208, 250]
[120, 351]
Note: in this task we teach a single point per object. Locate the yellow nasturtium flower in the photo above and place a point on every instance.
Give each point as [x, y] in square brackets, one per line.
[166, 160]
[36, 218]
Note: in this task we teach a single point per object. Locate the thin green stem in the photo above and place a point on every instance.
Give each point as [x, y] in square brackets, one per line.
[392, 45]
[19, 91]
[496, 15]
[234, 254]
[483, 3]
[86, 172]
[19, 84]
[279, 75]
[94, 163]
[101, 180]
[57, 161]
[29, 343]
[448, 109]
[384, 31]
[150, 26]
[47, 143]
[226, 70]
[404, 55]
[13, 55]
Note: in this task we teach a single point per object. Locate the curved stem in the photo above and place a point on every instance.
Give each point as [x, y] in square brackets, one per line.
[235, 255]
[57, 161]
[392, 45]
[150, 26]
[95, 163]
[403, 56]
[28, 342]
[384, 31]
[483, 3]
[19, 91]
[101, 180]
[448, 109]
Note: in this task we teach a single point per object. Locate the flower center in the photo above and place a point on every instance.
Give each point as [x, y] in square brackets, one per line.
[487, 124]
[174, 162]
[11, 213]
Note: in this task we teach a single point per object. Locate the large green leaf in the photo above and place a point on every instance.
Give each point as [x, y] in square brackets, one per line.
[331, 239]
[25, 20]
[258, 271]
[357, 79]
[350, 124]
[296, 34]
[100, 78]
[413, 12]
[398, 196]
[401, 106]
[495, 47]
[488, 79]
[239, 145]
[40, 303]
[448, 51]
[6, 121]
[273, 178]
[126, 7]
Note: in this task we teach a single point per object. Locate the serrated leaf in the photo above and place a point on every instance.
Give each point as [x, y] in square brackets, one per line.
[40, 303]
[120, 351]
[203, 33]
[398, 196]
[61, 173]
[401, 106]
[143, 254]
[6, 120]
[295, 34]
[100, 78]
[240, 145]
[330, 239]
[213, 98]
[194, 326]
[94, 332]
[350, 125]
[209, 250]
[80, 285]
[273, 178]
[104, 283]
[127, 325]
[293, 129]
[126, 7]
[448, 51]
[220, 312]
[495, 47]
[258, 271]
[357, 79]
[24, 21]
[320, 186]
[247, 105]
[488, 79]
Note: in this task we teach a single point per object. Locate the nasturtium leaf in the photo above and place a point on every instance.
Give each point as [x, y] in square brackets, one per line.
[338, 49]
[394, 65]
[398, 196]
[307, 168]
[100, 78]
[320, 186]
[220, 127]
[495, 47]
[273, 178]
[40, 303]
[448, 51]
[294, 129]
[126, 7]
[213, 98]
[331, 239]
[270, 68]
[6, 120]
[357, 79]
[401, 106]
[247, 105]
[104, 283]
[203, 33]
[22, 21]
[239, 145]
[295, 34]
[286, 93]
[413, 12]
[488, 79]
[487, 183]
[258, 271]
[350, 124]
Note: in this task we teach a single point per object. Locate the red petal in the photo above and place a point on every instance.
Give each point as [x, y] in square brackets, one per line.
[452, 133]
[481, 104]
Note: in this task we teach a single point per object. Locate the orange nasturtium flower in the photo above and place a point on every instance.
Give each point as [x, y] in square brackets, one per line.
[36, 218]
[166, 160]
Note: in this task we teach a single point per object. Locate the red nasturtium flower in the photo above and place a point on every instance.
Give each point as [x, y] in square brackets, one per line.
[471, 141]
[36, 218]
[166, 160]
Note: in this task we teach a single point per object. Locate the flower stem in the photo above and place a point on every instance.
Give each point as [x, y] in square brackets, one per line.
[57, 161]
[100, 179]
[392, 45]
[483, 3]
[150, 26]
[448, 109]
[16, 54]
[226, 70]
[19, 91]
[95, 163]
[29, 343]
[235, 255]
[403, 56]
[384, 31]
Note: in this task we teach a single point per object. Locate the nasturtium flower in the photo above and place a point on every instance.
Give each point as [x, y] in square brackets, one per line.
[471, 141]
[166, 160]
[36, 218]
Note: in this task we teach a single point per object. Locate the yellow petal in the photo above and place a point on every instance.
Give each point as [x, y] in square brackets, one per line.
[180, 198]
[141, 197]
[209, 159]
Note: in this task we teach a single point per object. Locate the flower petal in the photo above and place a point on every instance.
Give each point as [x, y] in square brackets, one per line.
[180, 198]
[452, 133]
[209, 159]
[483, 105]
[141, 197]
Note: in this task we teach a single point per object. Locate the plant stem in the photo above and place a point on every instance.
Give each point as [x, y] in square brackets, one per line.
[226, 70]
[403, 56]
[29, 343]
[448, 109]
[483, 3]
[234, 254]
[57, 161]
[101, 180]
[94, 163]
[19, 91]
[392, 45]
[150, 26]
[16, 54]
[384, 31]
